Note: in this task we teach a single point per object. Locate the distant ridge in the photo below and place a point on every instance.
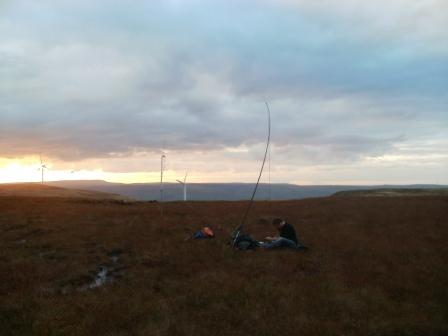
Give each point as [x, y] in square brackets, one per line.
[222, 191]
[390, 192]
[44, 190]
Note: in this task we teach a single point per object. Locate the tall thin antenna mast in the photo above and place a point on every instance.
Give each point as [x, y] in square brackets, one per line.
[241, 226]
[162, 164]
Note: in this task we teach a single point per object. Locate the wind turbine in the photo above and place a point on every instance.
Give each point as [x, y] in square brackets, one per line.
[184, 184]
[42, 168]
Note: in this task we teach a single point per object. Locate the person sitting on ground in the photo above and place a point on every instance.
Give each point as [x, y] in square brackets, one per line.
[287, 237]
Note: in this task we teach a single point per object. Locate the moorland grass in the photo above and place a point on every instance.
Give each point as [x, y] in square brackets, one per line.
[376, 266]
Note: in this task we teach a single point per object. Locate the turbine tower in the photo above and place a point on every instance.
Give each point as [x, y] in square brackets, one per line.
[42, 168]
[184, 184]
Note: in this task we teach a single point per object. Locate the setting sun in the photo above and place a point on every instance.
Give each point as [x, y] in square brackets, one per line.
[28, 170]
[18, 171]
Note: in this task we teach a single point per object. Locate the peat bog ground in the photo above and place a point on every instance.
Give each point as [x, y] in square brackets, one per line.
[376, 266]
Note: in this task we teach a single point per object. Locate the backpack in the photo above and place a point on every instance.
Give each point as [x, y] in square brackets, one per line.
[203, 233]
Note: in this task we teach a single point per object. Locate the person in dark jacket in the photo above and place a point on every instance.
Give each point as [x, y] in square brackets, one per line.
[287, 236]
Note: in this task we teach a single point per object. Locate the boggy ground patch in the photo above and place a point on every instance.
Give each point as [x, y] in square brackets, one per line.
[106, 272]
[376, 266]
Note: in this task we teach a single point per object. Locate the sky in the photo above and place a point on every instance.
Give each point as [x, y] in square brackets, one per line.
[358, 90]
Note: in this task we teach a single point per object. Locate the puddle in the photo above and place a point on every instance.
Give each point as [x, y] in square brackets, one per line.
[101, 278]
[105, 273]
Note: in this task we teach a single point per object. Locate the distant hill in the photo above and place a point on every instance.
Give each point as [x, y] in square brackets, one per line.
[384, 192]
[39, 190]
[220, 191]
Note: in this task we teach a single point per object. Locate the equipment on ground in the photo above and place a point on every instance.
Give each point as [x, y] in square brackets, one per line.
[204, 233]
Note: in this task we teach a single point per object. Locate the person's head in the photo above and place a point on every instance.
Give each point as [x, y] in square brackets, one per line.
[278, 222]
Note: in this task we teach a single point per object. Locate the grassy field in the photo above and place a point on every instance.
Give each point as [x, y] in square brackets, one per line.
[376, 266]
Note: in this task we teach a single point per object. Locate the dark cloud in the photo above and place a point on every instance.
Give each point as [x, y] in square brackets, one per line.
[80, 80]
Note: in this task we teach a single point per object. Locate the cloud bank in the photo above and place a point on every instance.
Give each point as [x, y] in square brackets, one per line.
[102, 80]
